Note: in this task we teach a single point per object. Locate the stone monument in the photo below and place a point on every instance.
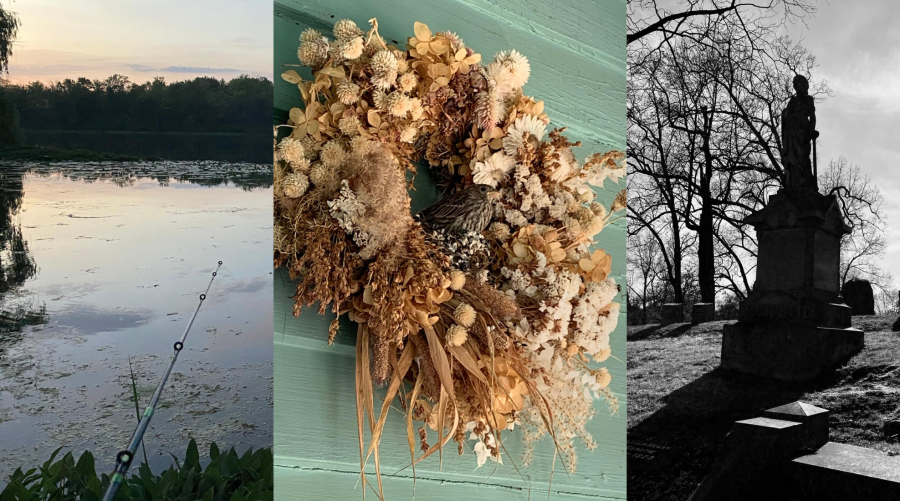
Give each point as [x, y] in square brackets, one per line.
[794, 325]
[672, 313]
[859, 297]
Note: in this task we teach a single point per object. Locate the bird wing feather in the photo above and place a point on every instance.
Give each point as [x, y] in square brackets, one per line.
[448, 209]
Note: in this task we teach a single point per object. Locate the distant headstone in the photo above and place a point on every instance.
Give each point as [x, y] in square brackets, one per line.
[892, 430]
[702, 313]
[859, 297]
[672, 313]
[896, 326]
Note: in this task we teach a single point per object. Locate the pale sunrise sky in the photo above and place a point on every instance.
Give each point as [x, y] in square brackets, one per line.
[142, 39]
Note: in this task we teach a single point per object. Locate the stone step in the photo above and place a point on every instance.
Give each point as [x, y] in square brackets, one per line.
[843, 472]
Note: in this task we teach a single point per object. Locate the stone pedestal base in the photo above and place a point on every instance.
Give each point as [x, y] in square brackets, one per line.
[672, 313]
[702, 313]
[787, 351]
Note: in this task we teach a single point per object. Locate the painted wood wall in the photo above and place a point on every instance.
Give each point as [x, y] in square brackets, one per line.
[577, 54]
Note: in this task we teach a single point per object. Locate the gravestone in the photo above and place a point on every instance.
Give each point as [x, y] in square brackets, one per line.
[702, 313]
[785, 454]
[842, 472]
[758, 448]
[672, 313]
[859, 297]
[794, 325]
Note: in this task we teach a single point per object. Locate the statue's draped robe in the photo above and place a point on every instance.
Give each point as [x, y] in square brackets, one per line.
[796, 137]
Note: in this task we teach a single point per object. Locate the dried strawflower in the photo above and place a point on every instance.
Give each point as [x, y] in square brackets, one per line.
[384, 67]
[457, 280]
[407, 82]
[603, 377]
[499, 230]
[310, 35]
[349, 125]
[464, 315]
[416, 110]
[526, 126]
[516, 68]
[333, 153]
[351, 49]
[318, 174]
[314, 53]
[348, 92]
[346, 29]
[493, 170]
[383, 62]
[398, 104]
[379, 98]
[291, 151]
[294, 185]
[457, 335]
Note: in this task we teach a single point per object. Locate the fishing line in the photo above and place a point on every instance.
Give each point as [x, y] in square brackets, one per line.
[125, 457]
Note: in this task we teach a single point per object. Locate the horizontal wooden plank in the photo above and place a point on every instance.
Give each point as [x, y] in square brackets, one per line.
[321, 482]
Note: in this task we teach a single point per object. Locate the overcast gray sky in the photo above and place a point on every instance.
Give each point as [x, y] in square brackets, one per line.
[857, 45]
[176, 39]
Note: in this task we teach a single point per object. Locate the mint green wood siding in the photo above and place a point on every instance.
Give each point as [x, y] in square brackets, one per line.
[577, 54]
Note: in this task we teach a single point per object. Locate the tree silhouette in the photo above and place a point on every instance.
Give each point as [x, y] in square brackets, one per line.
[9, 27]
[204, 104]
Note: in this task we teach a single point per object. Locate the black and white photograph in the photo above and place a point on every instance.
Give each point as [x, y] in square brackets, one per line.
[763, 353]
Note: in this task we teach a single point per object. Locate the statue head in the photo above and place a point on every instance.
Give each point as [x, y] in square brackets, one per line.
[801, 85]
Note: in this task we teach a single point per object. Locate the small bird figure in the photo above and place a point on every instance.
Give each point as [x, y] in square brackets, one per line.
[469, 209]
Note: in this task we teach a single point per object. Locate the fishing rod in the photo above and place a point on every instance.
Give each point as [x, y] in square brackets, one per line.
[124, 458]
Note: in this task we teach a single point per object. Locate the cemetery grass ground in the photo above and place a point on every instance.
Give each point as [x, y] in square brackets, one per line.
[683, 406]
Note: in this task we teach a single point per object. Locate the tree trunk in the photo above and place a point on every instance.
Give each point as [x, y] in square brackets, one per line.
[705, 250]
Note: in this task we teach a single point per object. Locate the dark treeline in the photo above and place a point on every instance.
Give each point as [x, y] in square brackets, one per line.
[203, 104]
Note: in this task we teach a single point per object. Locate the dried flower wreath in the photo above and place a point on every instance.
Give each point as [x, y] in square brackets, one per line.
[491, 310]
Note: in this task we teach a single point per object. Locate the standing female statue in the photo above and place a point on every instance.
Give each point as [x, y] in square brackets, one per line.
[798, 129]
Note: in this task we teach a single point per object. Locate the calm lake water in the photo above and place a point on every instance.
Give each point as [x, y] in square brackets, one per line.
[102, 262]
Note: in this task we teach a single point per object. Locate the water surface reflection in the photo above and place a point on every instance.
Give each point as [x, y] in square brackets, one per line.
[102, 262]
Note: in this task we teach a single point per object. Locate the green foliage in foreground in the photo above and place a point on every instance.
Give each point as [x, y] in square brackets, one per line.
[228, 477]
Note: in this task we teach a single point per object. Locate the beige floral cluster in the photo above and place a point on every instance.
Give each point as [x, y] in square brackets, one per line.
[513, 342]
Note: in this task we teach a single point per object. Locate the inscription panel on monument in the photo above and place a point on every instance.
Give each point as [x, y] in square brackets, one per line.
[781, 258]
[827, 263]
[776, 306]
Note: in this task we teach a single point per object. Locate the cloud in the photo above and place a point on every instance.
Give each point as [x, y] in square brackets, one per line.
[141, 67]
[199, 69]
